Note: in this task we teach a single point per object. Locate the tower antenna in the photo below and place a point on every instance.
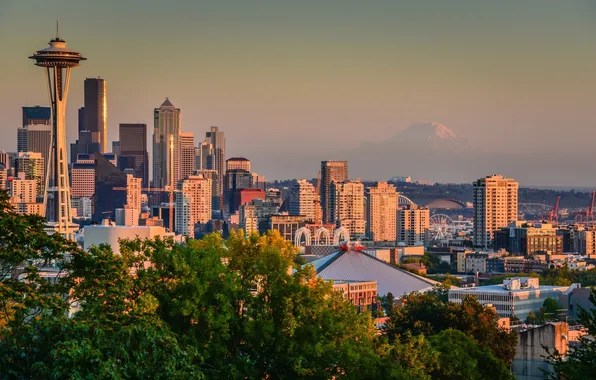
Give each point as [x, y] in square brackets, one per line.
[57, 31]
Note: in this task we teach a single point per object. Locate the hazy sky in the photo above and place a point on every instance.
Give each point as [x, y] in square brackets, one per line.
[311, 77]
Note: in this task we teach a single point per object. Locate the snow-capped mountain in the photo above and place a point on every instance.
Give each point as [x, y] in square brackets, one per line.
[433, 133]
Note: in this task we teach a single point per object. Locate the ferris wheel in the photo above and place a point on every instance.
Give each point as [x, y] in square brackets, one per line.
[441, 227]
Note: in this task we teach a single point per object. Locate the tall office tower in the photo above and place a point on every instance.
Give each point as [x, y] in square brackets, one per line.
[96, 112]
[382, 212]
[238, 163]
[58, 62]
[110, 189]
[218, 141]
[166, 132]
[33, 167]
[346, 202]
[116, 147]
[413, 223]
[193, 204]
[37, 115]
[304, 200]
[235, 180]
[204, 156]
[495, 206]
[331, 171]
[82, 178]
[36, 132]
[187, 154]
[133, 150]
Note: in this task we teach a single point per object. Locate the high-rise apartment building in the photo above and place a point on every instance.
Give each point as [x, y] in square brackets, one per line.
[23, 191]
[238, 163]
[133, 150]
[166, 133]
[331, 171]
[413, 223]
[96, 112]
[3, 177]
[193, 204]
[187, 154]
[304, 200]
[495, 206]
[218, 141]
[33, 167]
[382, 212]
[346, 203]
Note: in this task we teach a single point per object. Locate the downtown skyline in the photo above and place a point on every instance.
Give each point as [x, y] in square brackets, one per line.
[515, 75]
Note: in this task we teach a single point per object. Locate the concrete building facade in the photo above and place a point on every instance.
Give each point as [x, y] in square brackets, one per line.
[495, 206]
[413, 223]
[382, 212]
[346, 202]
[193, 204]
[304, 200]
[331, 171]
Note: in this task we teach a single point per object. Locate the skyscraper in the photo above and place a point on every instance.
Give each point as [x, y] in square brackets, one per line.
[96, 112]
[193, 204]
[382, 209]
[331, 171]
[166, 133]
[238, 163]
[58, 62]
[218, 141]
[35, 134]
[133, 150]
[187, 154]
[413, 223]
[204, 156]
[109, 184]
[495, 206]
[235, 180]
[346, 202]
[303, 200]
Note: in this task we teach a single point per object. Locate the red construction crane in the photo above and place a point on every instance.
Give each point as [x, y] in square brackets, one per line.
[554, 214]
[590, 210]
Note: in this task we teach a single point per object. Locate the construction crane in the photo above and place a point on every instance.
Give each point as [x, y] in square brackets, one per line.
[554, 214]
[590, 210]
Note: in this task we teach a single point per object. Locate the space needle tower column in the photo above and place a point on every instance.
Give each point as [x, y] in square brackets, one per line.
[58, 61]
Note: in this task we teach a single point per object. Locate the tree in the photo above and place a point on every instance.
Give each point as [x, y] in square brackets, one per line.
[25, 249]
[551, 309]
[429, 314]
[461, 357]
[580, 361]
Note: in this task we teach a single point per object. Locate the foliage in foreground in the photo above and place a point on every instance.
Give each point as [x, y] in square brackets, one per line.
[580, 362]
[207, 309]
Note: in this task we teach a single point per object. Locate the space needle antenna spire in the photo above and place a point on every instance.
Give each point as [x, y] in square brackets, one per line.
[57, 61]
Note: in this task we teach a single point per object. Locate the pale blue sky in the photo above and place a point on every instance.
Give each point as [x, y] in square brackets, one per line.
[310, 77]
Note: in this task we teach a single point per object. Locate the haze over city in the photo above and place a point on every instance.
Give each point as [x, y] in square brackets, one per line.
[294, 83]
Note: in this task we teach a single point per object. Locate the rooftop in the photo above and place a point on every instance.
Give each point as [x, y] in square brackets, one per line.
[354, 265]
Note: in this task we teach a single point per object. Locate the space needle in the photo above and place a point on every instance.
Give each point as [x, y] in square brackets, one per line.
[58, 61]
